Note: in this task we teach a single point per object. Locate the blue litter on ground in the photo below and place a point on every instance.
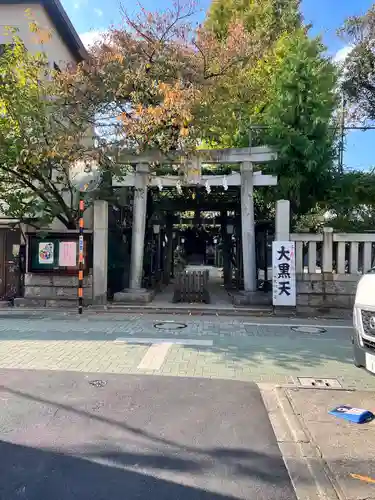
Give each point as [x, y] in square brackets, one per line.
[356, 415]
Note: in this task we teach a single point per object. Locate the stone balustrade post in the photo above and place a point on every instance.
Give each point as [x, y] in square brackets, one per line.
[282, 220]
[327, 250]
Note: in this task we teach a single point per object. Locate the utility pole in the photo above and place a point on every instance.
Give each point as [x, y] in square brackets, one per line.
[256, 128]
[342, 135]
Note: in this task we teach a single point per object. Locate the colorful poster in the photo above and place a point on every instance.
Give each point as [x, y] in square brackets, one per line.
[46, 253]
[67, 254]
[283, 273]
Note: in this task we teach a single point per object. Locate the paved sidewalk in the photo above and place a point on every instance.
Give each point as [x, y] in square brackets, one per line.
[261, 350]
[319, 450]
[346, 448]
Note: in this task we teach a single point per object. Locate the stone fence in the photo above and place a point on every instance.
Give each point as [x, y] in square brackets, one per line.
[329, 266]
[53, 291]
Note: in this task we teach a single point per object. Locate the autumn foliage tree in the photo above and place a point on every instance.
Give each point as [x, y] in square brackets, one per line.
[143, 87]
[152, 79]
[155, 82]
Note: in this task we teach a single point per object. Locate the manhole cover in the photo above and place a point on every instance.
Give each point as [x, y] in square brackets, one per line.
[98, 383]
[319, 383]
[308, 329]
[170, 325]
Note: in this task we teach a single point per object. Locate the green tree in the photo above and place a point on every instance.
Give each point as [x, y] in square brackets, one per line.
[359, 71]
[39, 139]
[351, 201]
[286, 98]
[351, 196]
[298, 118]
[244, 91]
[268, 19]
[290, 95]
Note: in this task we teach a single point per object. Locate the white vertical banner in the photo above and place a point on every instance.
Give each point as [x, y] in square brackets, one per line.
[283, 273]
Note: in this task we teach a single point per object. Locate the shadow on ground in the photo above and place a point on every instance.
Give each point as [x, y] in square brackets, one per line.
[286, 354]
[116, 467]
[152, 438]
[34, 474]
[244, 462]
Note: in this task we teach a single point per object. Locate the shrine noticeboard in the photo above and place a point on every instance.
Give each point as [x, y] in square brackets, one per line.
[57, 253]
[283, 273]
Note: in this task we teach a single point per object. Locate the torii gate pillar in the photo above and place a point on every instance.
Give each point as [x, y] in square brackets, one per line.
[248, 227]
[139, 226]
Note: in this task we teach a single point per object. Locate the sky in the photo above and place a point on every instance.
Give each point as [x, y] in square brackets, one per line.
[326, 16]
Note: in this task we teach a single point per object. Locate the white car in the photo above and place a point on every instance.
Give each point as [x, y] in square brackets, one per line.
[364, 322]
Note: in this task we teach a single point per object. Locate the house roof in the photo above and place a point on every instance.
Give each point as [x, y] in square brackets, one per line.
[62, 24]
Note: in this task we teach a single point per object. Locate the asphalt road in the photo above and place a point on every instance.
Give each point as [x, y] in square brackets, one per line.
[135, 437]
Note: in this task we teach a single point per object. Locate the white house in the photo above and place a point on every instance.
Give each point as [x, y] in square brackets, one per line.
[64, 47]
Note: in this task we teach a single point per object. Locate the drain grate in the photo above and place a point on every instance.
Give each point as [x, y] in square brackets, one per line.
[319, 383]
[170, 325]
[98, 383]
[308, 329]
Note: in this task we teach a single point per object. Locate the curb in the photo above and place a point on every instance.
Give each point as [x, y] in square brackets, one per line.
[149, 310]
[309, 473]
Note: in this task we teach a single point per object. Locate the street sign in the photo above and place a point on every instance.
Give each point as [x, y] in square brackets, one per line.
[283, 273]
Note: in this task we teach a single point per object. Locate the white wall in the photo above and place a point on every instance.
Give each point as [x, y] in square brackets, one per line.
[14, 15]
[57, 52]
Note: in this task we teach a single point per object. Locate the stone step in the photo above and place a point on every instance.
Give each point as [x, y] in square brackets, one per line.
[193, 309]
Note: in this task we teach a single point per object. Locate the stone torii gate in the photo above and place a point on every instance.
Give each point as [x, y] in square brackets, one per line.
[247, 179]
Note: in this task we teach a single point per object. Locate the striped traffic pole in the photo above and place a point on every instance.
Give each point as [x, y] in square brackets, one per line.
[80, 255]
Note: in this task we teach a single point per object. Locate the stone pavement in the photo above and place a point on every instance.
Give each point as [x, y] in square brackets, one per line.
[320, 451]
[340, 454]
[264, 350]
[135, 437]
